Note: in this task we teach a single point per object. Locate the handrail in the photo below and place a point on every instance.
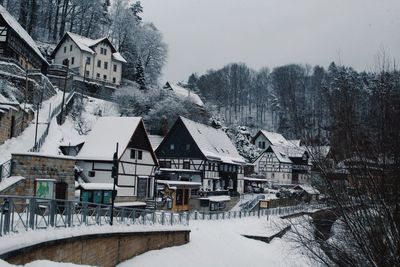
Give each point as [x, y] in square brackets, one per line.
[19, 213]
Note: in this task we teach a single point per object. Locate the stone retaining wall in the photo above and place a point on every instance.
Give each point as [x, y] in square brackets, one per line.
[99, 249]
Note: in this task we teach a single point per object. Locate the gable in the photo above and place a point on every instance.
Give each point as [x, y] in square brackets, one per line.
[179, 137]
[140, 140]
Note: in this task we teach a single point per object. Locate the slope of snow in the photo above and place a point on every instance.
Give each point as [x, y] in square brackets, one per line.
[26, 140]
[220, 243]
[67, 133]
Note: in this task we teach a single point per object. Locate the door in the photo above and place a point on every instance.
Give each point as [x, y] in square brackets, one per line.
[61, 190]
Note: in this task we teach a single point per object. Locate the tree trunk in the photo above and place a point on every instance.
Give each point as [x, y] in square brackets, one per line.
[23, 13]
[55, 32]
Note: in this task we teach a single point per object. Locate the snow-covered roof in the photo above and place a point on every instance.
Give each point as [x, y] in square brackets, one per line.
[83, 42]
[213, 143]
[281, 154]
[155, 140]
[255, 179]
[7, 101]
[129, 204]
[178, 170]
[24, 35]
[184, 93]
[217, 198]
[101, 142]
[117, 56]
[97, 186]
[308, 188]
[176, 183]
[7, 182]
[276, 138]
[86, 44]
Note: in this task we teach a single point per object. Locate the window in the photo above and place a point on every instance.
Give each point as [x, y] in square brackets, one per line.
[105, 51]
[101, 50]
[105, 65]
[88, 60]
[87, 73]
[70, 48]
[65, 49]
[168, 164]
[72, 61]
[98, 75]
[114, 80]
[187, 146]
[186, 165]
[105, 77]
[91, 173]
[209, 166]
[172, 147]
[136, 154]
[115, 68]
[99, 63]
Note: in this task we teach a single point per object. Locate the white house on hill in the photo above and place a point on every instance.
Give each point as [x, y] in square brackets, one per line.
[96, 60]
[137, 161]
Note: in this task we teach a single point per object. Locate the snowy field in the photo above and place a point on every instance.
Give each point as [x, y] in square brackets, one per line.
[215, 243]
[220, 243]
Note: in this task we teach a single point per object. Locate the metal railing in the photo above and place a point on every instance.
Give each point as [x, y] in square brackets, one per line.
[249, 205]
[279, 211]
[54, 112]
[19, 214]
[5, 170]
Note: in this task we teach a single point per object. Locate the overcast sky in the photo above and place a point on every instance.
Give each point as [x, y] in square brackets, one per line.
[205, 34]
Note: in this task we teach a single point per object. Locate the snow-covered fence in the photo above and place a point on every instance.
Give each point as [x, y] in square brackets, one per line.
[279, 211]
[5, 170]
[54, 112]
[20, 214]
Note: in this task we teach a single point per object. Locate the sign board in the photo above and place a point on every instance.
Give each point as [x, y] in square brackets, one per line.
[264, 204]
[44, 188]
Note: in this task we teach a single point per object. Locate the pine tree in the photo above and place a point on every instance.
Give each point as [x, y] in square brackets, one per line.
[139, 77]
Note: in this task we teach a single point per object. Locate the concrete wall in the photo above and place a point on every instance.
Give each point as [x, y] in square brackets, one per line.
[100, 249]
[33, 166]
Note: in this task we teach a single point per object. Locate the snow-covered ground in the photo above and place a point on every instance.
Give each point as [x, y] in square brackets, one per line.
[26, 140]
[212, 243]
[68, 134]
[220, 243]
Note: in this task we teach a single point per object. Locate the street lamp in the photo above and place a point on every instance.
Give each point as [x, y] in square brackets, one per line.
[87, 62]
[65, 63]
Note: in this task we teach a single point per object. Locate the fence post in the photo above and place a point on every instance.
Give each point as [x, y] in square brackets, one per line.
[84, 213]
[154, 217]
[52, 214]
[172, 218]
[144, 217]
[196, 215]
[162, 217]
[69, 214]
[180, 218]
[187, 218]
[6, 212]
[32, 210]
[98, 221]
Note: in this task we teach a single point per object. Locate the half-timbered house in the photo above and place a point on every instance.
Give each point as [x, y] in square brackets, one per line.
[275, 165]
[196, 153]
[137, 161]
[17, 44]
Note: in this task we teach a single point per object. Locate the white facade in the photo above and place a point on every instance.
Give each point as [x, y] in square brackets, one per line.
[129, 171]
[90, 59]
[273, 169]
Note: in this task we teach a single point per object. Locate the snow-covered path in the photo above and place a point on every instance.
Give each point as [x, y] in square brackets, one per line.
[220, 243]
[26, 140]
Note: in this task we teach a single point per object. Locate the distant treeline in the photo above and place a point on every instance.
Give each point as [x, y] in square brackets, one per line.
[338, 106]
